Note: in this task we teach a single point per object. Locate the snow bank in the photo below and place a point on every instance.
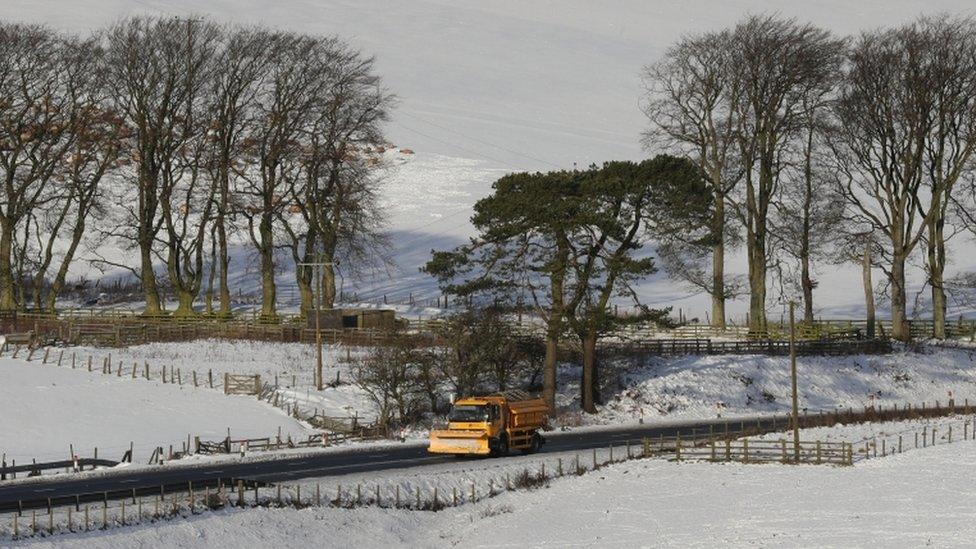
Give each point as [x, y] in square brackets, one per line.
[710, 386]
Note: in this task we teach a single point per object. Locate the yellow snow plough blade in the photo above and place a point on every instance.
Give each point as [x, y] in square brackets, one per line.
[459, 442]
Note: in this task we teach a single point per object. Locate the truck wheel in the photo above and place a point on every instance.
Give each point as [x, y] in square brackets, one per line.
[501, 447]
[534, 445]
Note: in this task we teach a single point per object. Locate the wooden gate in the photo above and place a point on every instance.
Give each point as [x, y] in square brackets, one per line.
[242, 384]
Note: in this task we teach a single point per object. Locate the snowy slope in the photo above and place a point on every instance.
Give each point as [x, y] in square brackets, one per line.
[488, 87]
[710, 386]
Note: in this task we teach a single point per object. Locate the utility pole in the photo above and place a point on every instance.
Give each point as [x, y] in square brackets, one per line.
[796, 404]
[317, 273]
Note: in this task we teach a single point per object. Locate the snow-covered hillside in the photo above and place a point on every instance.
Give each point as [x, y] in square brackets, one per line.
[490, 87]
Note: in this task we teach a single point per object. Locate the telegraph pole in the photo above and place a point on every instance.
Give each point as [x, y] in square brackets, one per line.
[796, 405]
[317, 273]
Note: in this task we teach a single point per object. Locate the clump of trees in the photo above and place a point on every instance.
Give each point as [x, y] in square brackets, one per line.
[572, 240]
[803, 147]
[170, 137]
[823, 149]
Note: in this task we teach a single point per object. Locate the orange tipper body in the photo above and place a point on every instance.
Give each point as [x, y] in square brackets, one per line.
[492, 425]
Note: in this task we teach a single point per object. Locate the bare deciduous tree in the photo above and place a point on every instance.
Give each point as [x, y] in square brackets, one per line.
[808, 209]
[238, 75]
[690, 96]
[782, 64]
[336, 191]
[905, 116]
[151, 65]
[273, 145]
[37, 116]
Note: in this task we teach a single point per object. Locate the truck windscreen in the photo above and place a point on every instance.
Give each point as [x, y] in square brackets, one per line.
[469, 413]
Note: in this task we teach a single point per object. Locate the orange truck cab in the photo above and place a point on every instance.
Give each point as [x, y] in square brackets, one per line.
[492, 425]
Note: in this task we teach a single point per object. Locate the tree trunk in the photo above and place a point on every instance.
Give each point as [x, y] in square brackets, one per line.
[757, 288]
[304, 281]
[807, 283]
[185, 283]
[936, 264]
[549, 369]
[899, 318]
[185, 298]
[718, 263]
[589, 392]
[554, 328]
[868, 290]
[268, 288]
[59, 278]
[328, 285]
[148, 279]
[211, 275]
[8, 299]
[756, 208]
[223, 259]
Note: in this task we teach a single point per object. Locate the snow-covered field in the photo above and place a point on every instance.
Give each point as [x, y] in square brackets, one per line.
[912, 499]
[43, 409]
[291, 365]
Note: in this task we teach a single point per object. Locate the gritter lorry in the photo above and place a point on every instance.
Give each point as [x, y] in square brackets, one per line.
[492, 425]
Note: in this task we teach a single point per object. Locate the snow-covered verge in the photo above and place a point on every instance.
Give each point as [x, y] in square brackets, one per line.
[44, 409]
[912, 499]
[728, 385]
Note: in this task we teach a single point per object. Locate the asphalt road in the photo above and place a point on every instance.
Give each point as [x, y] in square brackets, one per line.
[149, 481]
